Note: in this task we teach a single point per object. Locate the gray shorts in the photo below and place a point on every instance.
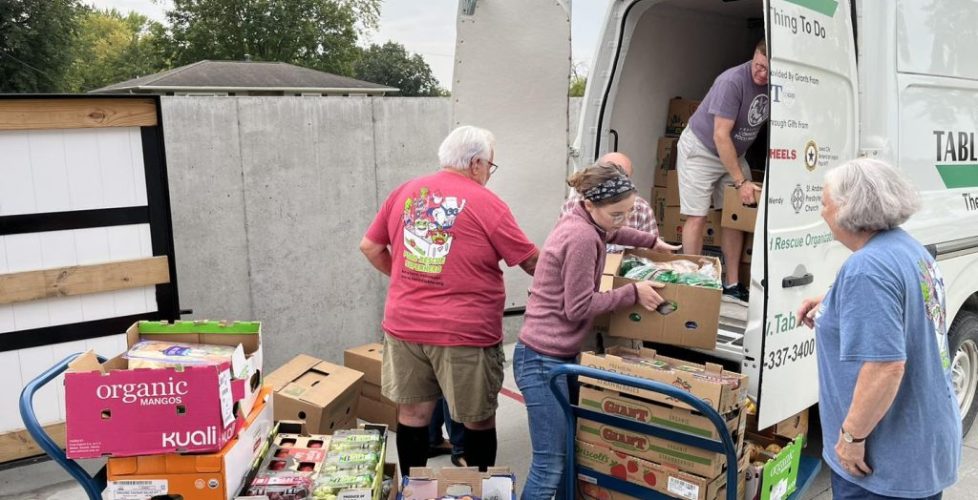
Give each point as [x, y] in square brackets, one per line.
[702, 176]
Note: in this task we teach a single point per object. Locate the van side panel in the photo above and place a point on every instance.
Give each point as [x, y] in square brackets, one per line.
[937, 38]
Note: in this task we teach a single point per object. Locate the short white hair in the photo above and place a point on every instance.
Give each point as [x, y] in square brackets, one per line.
[871, 195]
[465, 144]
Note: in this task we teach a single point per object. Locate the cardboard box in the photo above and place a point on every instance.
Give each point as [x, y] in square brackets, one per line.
[671, 226]
[323, 395]
[591, 491]
[654, 449]
[658, 202]
[680, 111]
[777, 478]
[672, 188]
[722, 390]
[425, 483]
[378, 412]
[366, 359]
[664, 479]
[656, 413]
[111, 410]
[665, 159]
[789, 428]
[196, 477]
[736, 215]
[748, 252]
[611, 262]
[246, 365]
[692, 320]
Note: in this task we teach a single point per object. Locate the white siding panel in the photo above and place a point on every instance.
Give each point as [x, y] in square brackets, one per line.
[59, 353]
[33, 362]
[138, 166]
[17, 188]
[84, 173]
[6, 318]
[92, 246]
[116, 162]
[49, 171]
[108, 346]
[10, 390]
[23, 252]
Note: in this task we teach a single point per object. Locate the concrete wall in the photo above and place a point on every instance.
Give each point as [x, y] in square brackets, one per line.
[270, 197]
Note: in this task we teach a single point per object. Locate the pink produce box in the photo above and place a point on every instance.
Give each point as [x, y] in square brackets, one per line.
[122, 408]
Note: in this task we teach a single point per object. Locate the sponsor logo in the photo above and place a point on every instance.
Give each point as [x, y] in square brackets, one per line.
[205, 437]
[147, 393]
[798, 199]
[957, 158]
[618, 408]
[630, 441]
[783, 154]
[811, 155]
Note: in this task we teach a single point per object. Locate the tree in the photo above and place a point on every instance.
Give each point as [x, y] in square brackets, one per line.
[319, 34]
[35, 44]
[391, 65]
[111, 47]
[578, 80]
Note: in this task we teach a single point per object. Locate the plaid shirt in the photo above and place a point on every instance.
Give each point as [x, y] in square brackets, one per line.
[640, 217]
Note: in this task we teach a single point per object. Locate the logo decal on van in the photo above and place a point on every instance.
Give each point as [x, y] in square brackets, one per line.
[811, 155]
[957, 161]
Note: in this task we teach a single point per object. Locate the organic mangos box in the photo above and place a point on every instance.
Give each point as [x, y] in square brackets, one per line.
[211, 476]
[653, 476]
[659, 414]
[111, 410]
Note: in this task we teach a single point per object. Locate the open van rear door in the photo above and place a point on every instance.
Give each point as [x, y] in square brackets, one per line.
[512, 66]
[814, 106]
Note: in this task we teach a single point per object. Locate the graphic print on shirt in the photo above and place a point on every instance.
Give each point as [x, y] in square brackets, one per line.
[932, 289]
[428, 221]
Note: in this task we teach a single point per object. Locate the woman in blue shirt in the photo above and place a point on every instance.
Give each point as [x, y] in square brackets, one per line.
[890, 420]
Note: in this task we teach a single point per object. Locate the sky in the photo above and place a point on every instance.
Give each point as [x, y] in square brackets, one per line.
[424, 27]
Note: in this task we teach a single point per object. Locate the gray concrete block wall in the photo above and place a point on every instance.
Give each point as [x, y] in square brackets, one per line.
[207, 199]
[270, 197]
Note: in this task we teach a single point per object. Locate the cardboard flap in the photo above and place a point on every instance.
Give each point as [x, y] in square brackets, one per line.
[714, 368]
[460, 481]
[290, 371]
[119, 466]
[421, 473]
[86, 362]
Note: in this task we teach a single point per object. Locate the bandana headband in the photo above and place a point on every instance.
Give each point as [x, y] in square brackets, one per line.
[609, 189]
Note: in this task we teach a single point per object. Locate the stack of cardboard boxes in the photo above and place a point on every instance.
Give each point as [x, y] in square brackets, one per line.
[323, 395]
[665, 466]
[374, 407]
[741, 217]
[146, 416]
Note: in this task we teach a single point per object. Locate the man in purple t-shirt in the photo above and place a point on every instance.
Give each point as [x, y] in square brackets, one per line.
[711, 155]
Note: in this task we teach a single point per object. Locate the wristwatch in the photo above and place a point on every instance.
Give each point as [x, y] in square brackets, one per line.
[849, 438]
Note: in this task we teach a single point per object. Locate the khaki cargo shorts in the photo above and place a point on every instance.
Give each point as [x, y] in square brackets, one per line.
[469, 378]
[702, 176]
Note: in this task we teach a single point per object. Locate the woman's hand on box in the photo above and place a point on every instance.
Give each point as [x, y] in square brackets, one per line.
[647, 296]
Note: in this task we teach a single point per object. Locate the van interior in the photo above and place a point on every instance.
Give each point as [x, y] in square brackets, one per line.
[676, 48]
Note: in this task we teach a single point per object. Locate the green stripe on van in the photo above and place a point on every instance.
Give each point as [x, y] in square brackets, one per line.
[826, 7]
[958, 175]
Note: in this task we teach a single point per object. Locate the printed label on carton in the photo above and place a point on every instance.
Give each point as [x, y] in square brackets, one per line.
[227, 402]
[136, 489]
[684, 489]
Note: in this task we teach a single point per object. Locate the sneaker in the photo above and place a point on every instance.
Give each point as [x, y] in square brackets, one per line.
[459, 461]
[444, 448]
[736, 293]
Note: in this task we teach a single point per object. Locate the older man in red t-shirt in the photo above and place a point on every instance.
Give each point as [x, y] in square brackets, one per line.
[440, 239]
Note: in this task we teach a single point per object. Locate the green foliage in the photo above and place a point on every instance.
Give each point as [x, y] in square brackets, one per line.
[390, 64]
[318, 34]
[111, 47]
[35, 44]
[578, 80]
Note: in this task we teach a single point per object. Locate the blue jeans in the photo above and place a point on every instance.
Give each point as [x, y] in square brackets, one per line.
[842, 489]
[456, 431]
[548, 425]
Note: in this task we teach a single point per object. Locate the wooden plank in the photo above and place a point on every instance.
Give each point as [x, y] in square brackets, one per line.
[19, 444]
[80, 280]
[41, 114]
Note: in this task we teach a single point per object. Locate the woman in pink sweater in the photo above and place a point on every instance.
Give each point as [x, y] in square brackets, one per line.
[564, 299]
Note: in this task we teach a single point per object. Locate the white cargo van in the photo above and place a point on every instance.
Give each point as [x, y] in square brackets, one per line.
[893, 79]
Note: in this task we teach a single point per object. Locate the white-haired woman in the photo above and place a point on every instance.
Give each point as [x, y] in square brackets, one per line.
[440, 238]
[890, 421]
